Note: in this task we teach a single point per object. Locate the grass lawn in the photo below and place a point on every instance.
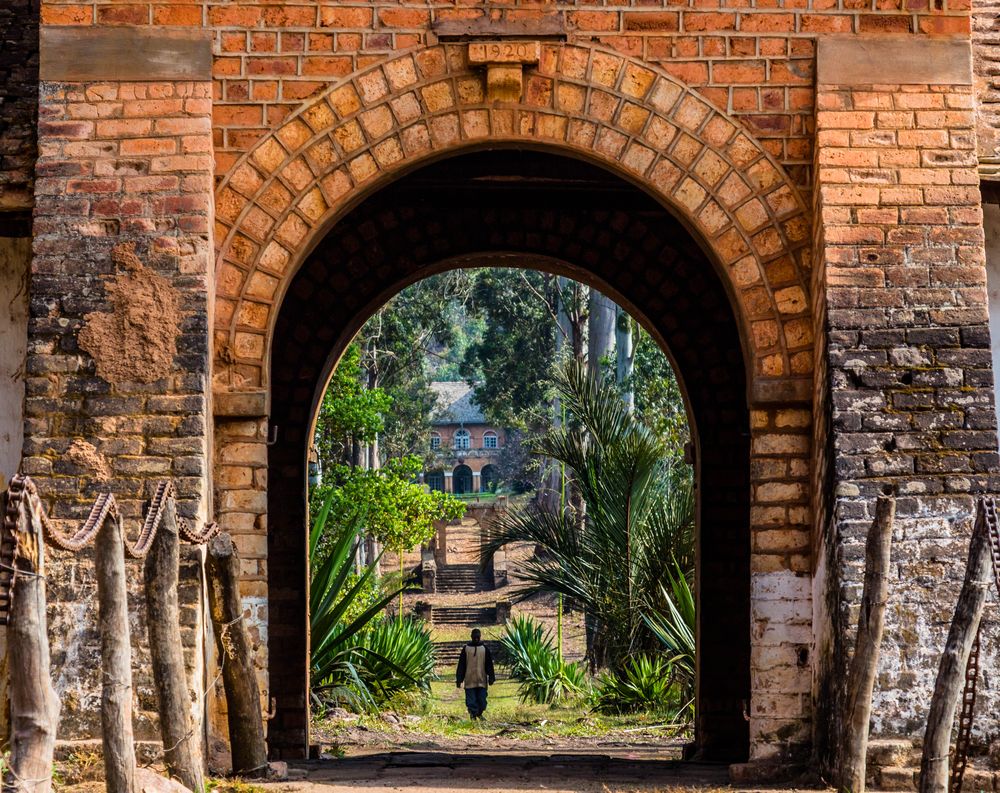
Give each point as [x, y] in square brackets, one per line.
[443, 714]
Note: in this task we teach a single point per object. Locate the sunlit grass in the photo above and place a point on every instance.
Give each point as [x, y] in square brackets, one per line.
[443, 714]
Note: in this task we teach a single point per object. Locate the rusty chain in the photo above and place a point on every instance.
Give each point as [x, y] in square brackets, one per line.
[986, 520]
[22, 489]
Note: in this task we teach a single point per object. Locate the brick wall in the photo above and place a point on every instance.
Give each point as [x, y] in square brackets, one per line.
[122, 214]
[907, 350]
[756, 63]
[18, 101]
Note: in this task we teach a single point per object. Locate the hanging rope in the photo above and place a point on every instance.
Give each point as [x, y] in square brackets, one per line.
[23, 491]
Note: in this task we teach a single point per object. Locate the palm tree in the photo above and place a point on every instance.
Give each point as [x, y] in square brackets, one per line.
[638, 521]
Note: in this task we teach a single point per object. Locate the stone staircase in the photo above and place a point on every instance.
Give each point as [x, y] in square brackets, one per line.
[447, 651]
[462, 579]
[467, 616]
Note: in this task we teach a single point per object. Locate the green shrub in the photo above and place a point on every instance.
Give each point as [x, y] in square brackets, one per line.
[395, 657]
[644, 684]
[543, 677]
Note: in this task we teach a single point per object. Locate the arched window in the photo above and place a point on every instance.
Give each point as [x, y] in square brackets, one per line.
[490, 440]
[462, 439]
[435, 480]
[435, 440]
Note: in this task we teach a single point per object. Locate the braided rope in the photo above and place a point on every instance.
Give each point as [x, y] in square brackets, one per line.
[23, 493]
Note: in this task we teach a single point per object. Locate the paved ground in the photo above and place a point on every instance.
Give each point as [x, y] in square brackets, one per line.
[447, 772]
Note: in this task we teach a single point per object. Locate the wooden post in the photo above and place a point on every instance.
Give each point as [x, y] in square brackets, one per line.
[951, 671]
[864, 664]
[116, 658]
[34, 706]
[181, 742]
[246, 725]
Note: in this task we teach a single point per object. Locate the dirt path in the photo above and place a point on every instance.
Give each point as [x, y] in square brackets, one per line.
[447, 772]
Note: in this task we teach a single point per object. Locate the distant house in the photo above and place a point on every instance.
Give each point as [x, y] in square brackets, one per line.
[466, 448]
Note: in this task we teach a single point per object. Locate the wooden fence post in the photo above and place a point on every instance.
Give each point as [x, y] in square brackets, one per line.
[864, 664]
[246, 725]
[34, 706]
[951, 671]
[116, 658]
[181, 743]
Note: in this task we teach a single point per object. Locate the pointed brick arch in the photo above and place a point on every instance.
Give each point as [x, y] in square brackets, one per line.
[639, 122]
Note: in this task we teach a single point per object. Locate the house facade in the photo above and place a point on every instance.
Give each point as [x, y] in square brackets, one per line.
[466, 447]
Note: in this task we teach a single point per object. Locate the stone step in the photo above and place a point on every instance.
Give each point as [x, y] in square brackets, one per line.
[463, 615]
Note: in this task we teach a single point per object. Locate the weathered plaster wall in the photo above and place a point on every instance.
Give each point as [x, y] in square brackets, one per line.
[15, 260]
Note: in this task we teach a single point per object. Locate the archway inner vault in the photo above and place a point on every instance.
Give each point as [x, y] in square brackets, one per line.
[610, 172]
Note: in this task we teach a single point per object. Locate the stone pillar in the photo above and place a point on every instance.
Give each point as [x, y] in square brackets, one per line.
[118, 363]
[899, 267]
[448, 488]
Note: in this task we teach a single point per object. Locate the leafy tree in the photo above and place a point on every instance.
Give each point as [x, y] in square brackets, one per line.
[516, 351]
[399, 514]
[398, 342]
[659, 402]
[349, 412]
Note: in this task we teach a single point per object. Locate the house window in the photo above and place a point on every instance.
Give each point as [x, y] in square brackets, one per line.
[490, 440]
[435, 441]
[462, 439]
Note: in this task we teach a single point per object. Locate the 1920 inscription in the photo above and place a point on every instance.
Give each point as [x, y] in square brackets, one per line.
[504, 52]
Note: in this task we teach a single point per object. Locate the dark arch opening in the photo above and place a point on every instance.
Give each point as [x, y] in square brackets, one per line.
[461, 480]
[489, 478]
[530, 207]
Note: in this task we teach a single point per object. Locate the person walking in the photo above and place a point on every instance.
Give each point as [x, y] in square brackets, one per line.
[475, 672]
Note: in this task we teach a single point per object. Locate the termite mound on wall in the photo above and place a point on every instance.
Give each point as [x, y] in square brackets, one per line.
[136, 340]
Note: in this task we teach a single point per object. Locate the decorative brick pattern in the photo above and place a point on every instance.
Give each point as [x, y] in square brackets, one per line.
[18, 102]
[120, 163]
[753, 60]
[634, 119]
[908, 360]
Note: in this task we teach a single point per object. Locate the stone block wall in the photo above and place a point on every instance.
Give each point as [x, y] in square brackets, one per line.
[117, 367]
[907, 351]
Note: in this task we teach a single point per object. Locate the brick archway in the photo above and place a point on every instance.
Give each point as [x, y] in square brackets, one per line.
[280, 199]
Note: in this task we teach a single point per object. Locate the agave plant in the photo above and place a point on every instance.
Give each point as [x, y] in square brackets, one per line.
[396, 656]
[643, 684]
[639, 511]
[334, 591]
[674, 625]
[544, 678]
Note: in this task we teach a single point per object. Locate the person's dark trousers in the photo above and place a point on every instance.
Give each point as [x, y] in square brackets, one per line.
[475, 701]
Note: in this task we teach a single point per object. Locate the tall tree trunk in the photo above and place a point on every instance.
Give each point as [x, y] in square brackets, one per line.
[34, 706]
[625, 356]
[951, 671]
[246, 726]
[181, 742]
[864, 664]
[601, 316]
[116, 658]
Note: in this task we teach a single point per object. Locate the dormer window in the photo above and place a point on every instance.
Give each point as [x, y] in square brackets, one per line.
[462, 439]
[490, 440]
